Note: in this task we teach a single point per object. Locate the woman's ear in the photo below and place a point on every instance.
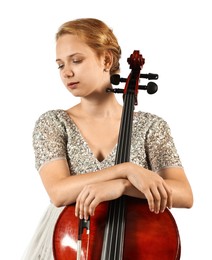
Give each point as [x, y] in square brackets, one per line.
[108, 60]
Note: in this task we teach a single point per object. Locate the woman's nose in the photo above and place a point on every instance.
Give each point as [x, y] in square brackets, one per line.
[68, 72]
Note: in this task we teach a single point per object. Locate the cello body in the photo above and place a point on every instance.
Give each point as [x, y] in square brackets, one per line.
[148, 236]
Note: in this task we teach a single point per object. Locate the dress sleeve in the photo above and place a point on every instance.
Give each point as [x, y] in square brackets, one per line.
[49, 139]
[160, 147]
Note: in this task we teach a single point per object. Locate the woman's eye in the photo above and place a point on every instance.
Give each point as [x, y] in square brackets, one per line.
[77, 61]
[60, 66]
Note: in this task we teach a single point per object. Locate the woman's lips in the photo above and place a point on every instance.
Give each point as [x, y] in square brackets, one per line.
[72, 85]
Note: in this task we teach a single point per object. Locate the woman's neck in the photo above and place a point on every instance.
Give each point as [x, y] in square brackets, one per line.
[98, 108]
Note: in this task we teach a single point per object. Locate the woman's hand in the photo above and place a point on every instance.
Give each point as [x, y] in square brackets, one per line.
[93, 194]
[154, 188]
[148, 184]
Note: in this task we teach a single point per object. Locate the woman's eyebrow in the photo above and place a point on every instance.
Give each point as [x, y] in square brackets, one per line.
[69, 56]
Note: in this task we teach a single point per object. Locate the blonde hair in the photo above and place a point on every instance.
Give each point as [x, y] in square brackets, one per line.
[97, 35]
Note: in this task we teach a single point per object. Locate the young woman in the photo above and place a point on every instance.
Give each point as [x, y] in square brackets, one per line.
[75, 148]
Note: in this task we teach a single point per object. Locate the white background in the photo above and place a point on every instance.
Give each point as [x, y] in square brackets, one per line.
[175, 39]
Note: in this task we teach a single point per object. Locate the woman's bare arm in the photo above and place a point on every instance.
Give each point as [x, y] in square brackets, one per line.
[169, 188]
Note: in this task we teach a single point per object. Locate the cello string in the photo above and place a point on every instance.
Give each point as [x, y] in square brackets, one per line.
[113, 243]
[126, 132]
[115, 248]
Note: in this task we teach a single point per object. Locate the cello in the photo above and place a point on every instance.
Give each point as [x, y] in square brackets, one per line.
[123, 228]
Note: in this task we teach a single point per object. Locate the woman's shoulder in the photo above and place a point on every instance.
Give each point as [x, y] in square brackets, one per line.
[148, 117]
[53, 118]
[54, 113]
[150, 122]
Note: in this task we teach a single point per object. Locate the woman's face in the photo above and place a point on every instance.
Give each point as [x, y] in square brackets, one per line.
[81, 71]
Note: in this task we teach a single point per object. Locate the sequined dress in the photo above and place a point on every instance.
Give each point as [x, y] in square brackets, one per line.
[56, 136]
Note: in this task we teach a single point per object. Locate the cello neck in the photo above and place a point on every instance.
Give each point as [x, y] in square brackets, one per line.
[113, 242]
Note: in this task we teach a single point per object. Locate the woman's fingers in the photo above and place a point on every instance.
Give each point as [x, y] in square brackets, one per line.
[154, 188]
[92, 195]
[83, 203]
[159, 198]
